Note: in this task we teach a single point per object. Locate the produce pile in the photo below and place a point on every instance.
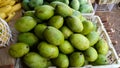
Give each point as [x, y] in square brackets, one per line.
[57, 35]
[8, 9]
[81, 5]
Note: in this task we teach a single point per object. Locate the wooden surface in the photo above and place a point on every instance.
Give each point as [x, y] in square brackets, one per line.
[6, 61]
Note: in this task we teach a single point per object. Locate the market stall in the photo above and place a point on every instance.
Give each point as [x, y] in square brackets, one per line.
[59, 33]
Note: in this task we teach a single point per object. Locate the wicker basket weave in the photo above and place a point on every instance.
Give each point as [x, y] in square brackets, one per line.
[5, 33]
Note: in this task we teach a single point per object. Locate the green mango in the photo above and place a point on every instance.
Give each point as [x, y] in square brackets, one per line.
[53, 35]
[90, 54]
[76, 59]
[25, 24]
[79, 15]
[35, 3]
[93, 37]
[87, 27]
[48, 50]
[74, 23]
[101, 60]
[28, 38]
[102, 47]
[32, 14]
[66, 31]
[79, 41]
[66, 47]
[86, 8]
[61, 8]
[75, 4]
[34, 60]
[44, 12]
[56, 21]
[82, 2]
[64, 1]
[61, 61]
[25, 4]
[18, 50]
[39, 29]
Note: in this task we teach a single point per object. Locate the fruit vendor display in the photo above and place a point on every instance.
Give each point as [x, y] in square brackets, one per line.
[57, 35]
[81, 5]
[8, 9]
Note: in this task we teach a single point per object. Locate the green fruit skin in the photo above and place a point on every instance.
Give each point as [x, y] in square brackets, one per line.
[82, 2]
[101, 60]
[29, 13]
[34, 60]
[48, 50]
[76, 59]
[64, 1]
[75, 4]
[79, 15]
[62, 9]
[74, 23]
[56, 21]
[32, 14]
[28, 38]
[25, 5]
[86, 8]
[102, 47]
[53, 35]
[44, 12]
[66, 31]
[93, 37]
[91, 54]
[79, 41]
[66, 47]
[25, 24]
[18, 50]
[35, 3]
[87, 27]
[61, 61]
[39, 29]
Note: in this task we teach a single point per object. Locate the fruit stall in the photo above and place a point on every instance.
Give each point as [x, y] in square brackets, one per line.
[59, 33]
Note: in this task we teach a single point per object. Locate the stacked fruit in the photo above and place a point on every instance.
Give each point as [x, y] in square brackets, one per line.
[57, 35]
[81, 5]
[8, 9]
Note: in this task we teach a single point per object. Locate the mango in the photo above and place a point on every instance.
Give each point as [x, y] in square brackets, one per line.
[66, 31]
[61, 61]
[90, 54]
[77, 59]
[66, 47]
[75, 4]
[74, 23]
[34, 60]
[102, 47]
[79, 41]
[53, 36]
[18, 50]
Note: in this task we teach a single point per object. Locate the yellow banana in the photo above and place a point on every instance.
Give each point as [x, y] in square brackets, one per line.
[6, 9]
[5, 2]
[16, 7]
[3, 15]
[12, 2]
[10, 16]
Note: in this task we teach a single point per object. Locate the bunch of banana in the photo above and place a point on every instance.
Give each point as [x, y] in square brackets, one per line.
[8, 9]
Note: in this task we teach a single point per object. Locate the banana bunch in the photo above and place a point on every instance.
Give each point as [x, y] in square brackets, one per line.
[8, 9]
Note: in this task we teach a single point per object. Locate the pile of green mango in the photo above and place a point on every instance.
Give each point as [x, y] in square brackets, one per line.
[81, 5]
[57, 35]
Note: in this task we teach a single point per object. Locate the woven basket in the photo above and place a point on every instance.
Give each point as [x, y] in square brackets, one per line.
[112, 56]
[5, 33]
